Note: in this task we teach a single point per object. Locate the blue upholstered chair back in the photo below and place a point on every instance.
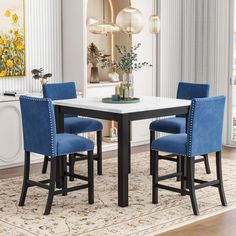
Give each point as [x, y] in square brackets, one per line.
[189, 90]
[59, 91]
[39, 129]
[205, 125]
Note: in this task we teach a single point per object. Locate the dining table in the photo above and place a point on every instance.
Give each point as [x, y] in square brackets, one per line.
[148, 107]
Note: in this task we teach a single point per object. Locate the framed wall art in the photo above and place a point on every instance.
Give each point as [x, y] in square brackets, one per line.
[12, 38]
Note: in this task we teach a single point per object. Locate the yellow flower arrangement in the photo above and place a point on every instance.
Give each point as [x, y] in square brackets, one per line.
[19, 46]
[15, 18]
[17, 60]
[5, 51]
[7, 13]
[3, 73]
[3, 41]
[16, 32]
[12, 48]
[9, 63]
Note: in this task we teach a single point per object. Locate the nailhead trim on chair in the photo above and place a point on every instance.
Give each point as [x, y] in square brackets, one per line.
[50, 119]
[191, 129]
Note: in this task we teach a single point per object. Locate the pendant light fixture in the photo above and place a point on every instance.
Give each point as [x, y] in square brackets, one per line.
[103, 27]
[130, 20]
[154, 21]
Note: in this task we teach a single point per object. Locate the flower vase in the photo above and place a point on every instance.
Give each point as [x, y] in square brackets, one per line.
[94, 77]
[43, 81]
[128, 83]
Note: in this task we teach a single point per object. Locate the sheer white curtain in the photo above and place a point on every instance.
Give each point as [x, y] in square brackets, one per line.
[205, 45]
[194, 45]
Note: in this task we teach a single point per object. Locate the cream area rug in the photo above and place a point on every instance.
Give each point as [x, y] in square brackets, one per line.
[72, 215]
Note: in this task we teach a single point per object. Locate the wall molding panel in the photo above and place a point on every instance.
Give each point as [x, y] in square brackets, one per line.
[170, 45]
[11, 142]
[43, 44]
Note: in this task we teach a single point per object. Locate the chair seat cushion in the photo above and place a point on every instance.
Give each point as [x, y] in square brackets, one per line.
[175, 143]
[173, 125]
[76, 125]
[71, 143]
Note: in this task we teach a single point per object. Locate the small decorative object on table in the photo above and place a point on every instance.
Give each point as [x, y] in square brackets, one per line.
[94, 57]
[113, 76]
[39, 75]
[127, 63]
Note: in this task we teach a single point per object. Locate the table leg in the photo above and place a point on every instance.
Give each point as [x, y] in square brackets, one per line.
[129, 148]
[60, 129]
[123, 160]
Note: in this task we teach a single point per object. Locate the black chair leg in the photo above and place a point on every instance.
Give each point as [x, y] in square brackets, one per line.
[155, 162]
[99, 152]
[45, 165]
[26, 178]
[183, 176]
[90, 178]
[178, 167]
[63, 175]
[58, 173]
[152, 138]
[191, 186]
[71, 165]
[51, 185]
[206, 162]
[219, 177]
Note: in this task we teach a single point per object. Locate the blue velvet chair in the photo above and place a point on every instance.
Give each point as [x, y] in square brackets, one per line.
[74, 124]
[205, 114]
[39, 132]
[176, 125]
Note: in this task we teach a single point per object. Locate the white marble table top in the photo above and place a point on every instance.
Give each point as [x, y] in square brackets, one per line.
[145, 104]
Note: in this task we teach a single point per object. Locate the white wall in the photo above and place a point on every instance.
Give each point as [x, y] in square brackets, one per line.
[145, 78]
[74, 42]
[170, 44]
[43, 44]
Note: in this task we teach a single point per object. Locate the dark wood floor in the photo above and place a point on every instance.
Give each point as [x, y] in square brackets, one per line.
[220, 225]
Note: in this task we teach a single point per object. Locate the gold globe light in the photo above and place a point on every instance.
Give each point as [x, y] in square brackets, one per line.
[130, 20]
[103, 27]
[154, 21]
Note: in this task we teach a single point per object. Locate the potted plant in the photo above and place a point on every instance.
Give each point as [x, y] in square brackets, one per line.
[39, 75]
[94, 57]
[127, 63]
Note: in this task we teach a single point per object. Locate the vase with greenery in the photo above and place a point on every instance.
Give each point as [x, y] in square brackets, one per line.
[127, 63]
[94, 57]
